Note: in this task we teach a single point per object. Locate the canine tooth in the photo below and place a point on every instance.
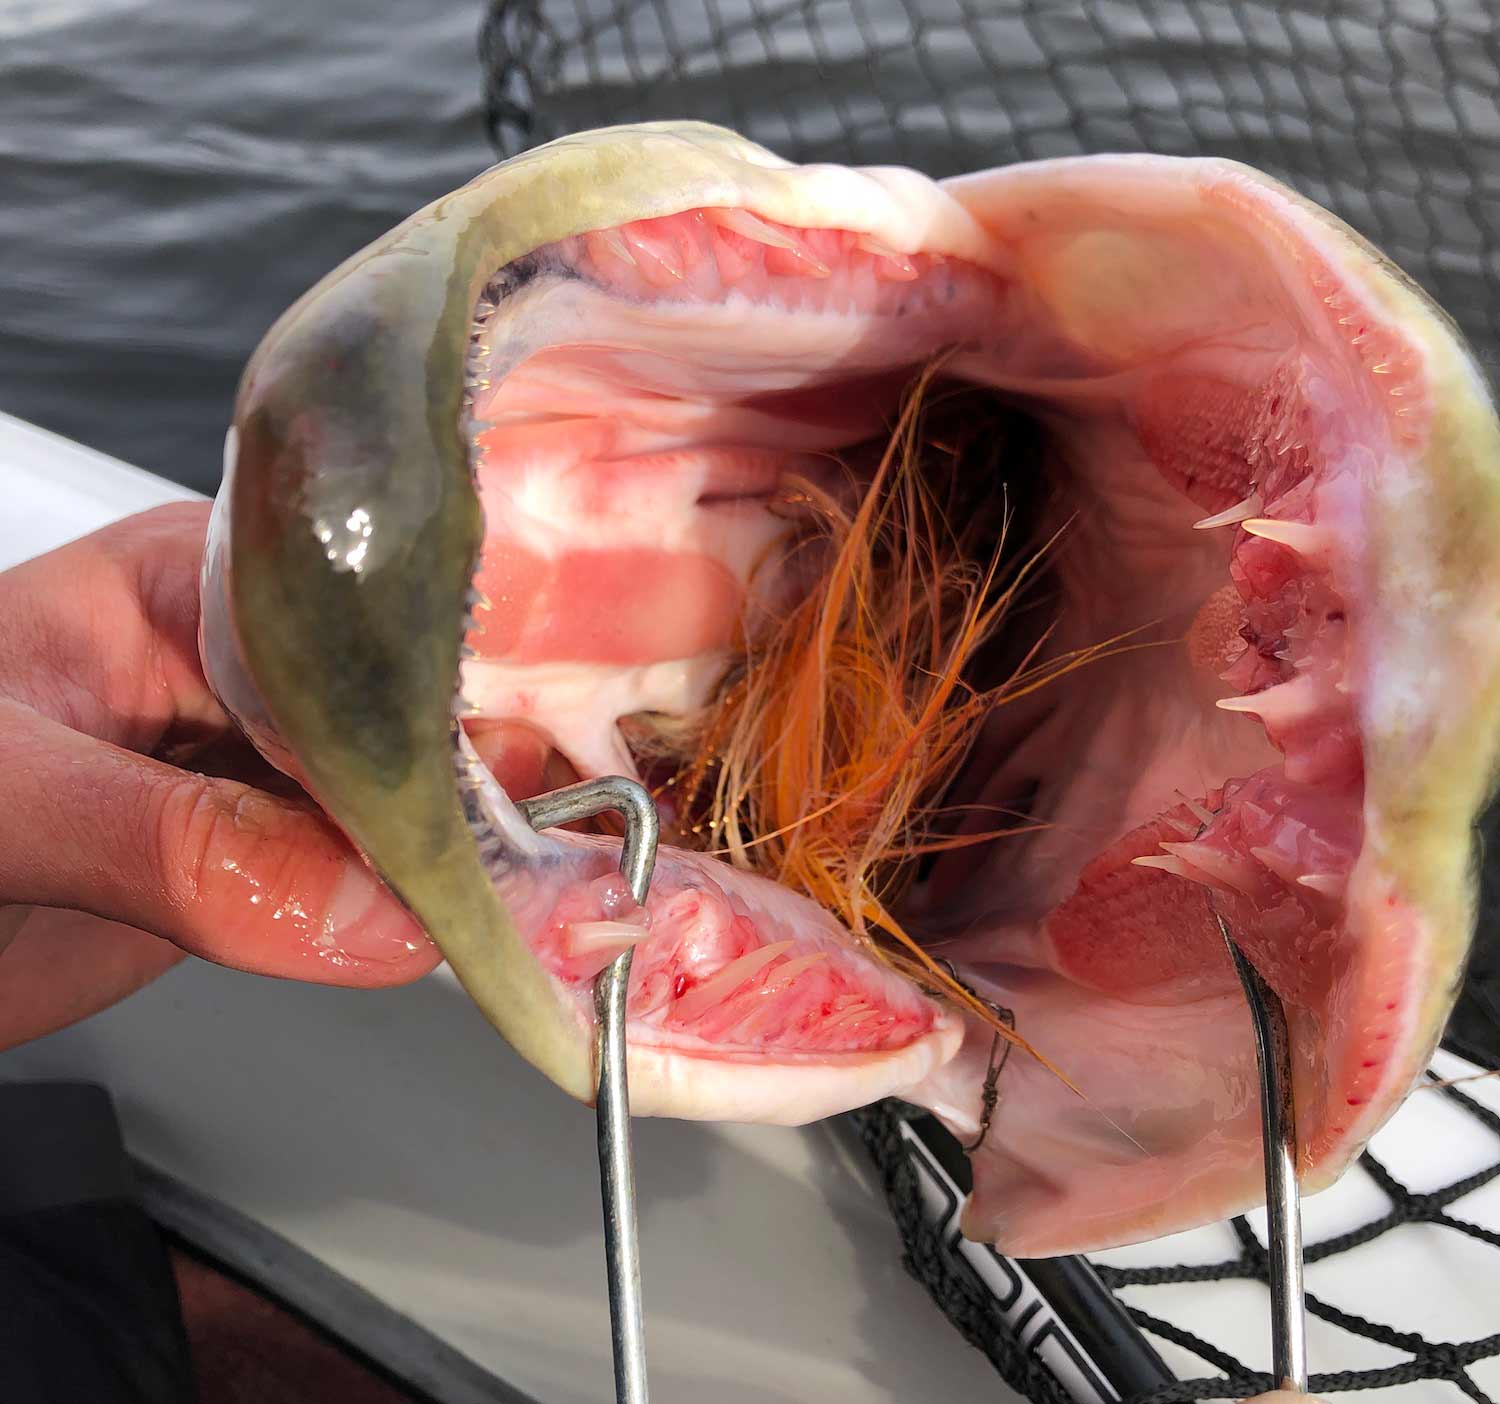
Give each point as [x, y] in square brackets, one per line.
[1223, 871]
[1249, 704]
[717, 987]
[1231, 516]
[1301, 537]
[744, 223]
[1183, 827]
[1325, 884]
[870, 244]
[894, 265]
[1277, 705]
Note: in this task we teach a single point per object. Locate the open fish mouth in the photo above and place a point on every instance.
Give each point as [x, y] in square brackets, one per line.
[529, 466]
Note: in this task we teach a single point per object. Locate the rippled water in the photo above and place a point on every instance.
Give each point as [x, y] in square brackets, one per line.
[173, 173]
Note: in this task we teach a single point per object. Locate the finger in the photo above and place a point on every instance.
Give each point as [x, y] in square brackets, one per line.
[63, 966]
[224, 871]
[101, 634]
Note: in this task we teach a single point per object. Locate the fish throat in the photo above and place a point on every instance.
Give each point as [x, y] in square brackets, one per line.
[826, 757]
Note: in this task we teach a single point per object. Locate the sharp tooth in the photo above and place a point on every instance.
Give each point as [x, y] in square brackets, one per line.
[1215, 866]
[851, 1014]
[783, 975]
[1301, 537]
[1252, 704]
[744, 223]
[1276, 706]
[658, 254]
[718, 987]
[614, 241]
[478, 599]
[1326, 884]
[1277, 863]
[870, 244]
[765, 1011]
[1175, 866]
[894, 265]
[1202, 811]
[1231, 516]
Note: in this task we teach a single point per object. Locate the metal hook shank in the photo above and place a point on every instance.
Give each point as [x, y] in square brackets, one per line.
[616, 1165]
[1278, 1126]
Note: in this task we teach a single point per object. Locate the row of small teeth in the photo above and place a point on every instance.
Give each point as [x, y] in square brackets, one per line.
[1360, 329]
[477, 357]
[475, 602]
[632, 244]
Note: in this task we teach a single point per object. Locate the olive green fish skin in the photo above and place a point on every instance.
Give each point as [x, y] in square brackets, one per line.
[353, 529]
[352, 536]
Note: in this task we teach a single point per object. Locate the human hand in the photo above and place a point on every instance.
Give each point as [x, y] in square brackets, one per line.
[128, 832]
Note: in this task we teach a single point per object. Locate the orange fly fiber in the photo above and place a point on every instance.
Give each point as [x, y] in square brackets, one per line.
[824, 760]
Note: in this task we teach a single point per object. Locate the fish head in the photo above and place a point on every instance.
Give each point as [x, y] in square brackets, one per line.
[522, 465]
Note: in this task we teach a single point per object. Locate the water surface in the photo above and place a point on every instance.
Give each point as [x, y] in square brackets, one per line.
[173, 173]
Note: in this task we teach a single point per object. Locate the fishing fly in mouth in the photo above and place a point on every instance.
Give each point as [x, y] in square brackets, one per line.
[995, 581]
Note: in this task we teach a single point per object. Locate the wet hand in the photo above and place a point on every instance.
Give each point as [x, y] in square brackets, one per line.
[134, 824]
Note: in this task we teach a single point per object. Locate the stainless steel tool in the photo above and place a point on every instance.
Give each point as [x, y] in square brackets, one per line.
[616, 1166]
[1278, 1123]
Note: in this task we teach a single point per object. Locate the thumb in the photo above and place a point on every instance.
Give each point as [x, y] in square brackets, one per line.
[224, 871]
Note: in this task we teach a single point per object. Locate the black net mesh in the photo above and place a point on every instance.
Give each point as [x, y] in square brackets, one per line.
[971, 1308]
[1382, 110]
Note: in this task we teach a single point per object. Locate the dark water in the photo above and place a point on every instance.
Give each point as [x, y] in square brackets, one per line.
[174, 172]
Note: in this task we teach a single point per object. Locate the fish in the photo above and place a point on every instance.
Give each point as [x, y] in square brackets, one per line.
[526, 469]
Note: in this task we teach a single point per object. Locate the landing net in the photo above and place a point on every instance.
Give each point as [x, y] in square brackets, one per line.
[1382, 110]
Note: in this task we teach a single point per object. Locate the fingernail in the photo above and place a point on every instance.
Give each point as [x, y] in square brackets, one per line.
[366, 922]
